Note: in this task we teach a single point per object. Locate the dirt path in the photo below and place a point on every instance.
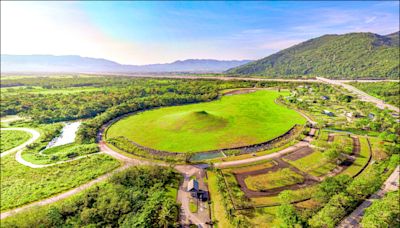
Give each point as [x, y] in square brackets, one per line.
[35, 135]
[354, 219]
[19, 159]
[240, 178]
[361, 94]
[62, 195]
[304, 143]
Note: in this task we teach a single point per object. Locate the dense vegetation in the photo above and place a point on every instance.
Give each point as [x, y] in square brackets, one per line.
[383, 212]
[21, 184]
[11, 139]
[354, 55]
[387, 91]
[137, 197]
[364, 117]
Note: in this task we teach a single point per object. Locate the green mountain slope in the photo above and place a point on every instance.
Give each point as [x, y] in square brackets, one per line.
[353, 55]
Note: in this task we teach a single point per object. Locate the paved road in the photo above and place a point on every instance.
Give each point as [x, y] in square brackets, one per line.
[363, 96]
[353, 220]
[202, 215]
[35, 135]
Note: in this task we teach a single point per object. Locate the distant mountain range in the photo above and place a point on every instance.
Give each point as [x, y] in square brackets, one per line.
[74, 63]
[353, 55]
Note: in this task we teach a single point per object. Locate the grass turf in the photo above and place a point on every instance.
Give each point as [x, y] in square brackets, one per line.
[232, 121]
[193, 206]
[217, 207]
[315, 164]
[361, 160]
[10, 139]
[21, 184]
[272, 180]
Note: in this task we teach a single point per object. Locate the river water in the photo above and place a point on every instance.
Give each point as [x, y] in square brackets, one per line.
[67, 135]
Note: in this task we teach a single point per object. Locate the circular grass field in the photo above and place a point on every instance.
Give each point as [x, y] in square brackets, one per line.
[232, 121]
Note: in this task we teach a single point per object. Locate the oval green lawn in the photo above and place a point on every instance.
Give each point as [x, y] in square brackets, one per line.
[231, 121]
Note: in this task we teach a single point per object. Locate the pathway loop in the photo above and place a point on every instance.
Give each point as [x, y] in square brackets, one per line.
[35, 135]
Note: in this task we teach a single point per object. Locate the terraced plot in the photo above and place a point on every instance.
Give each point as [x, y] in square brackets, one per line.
[272, 180]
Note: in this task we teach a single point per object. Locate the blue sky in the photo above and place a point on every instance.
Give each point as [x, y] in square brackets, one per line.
[156, 32]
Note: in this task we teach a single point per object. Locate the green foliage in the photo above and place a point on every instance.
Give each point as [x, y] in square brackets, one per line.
[136, 197]
[59, 153]
[384, 212]
[387, 91]
[287, 212]
[331, 186]
[333, 212]
[11, 139]
[353, 55]
[234, 218]
[21, 184]
[346, 196]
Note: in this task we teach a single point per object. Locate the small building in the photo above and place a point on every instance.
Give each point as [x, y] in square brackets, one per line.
[328, 113]
[193, 186]
[325, 98]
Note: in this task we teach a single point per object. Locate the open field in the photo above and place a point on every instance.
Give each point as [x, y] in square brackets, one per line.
[15, 90]
[280, 178]
[11, 139]
[21, 184]
[316, 164]
[232, 121]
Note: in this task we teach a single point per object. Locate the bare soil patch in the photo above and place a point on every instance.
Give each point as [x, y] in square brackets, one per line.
[302, 152]
[308, 180]
[240, 91]
[331, 137]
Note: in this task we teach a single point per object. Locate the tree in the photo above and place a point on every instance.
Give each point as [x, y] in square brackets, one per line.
[287, 212]
[384, 212]
[332, 186]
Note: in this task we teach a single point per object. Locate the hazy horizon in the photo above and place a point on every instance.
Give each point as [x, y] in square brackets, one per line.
[139, 33]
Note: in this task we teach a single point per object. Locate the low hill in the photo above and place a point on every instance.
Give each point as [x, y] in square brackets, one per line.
[74, 63]
[353, 55]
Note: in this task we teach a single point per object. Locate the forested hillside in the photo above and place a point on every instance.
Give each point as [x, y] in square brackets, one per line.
[353, 55]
